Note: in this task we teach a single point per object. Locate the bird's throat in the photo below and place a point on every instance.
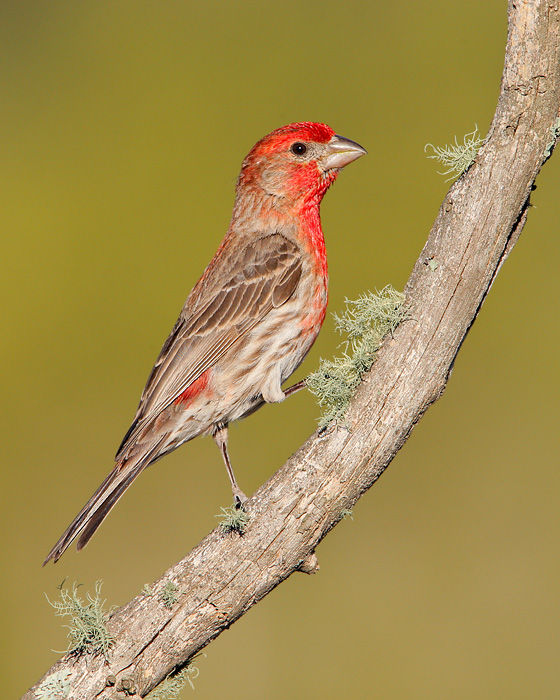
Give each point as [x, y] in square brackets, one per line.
[256, 210]
[311, 232]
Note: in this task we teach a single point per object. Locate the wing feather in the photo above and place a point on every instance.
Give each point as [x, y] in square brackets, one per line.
[227, 302]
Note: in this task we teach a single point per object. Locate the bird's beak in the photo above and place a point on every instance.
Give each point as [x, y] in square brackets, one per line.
[339, 152]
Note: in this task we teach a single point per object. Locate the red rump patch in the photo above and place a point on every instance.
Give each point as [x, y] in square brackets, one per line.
[193, 390]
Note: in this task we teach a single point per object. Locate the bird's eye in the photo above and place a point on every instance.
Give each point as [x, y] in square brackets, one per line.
[298, 148]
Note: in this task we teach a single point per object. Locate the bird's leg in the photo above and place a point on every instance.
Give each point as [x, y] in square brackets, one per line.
[296, 387]
[220, 436]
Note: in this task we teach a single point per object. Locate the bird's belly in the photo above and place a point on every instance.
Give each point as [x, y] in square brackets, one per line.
[255, 369]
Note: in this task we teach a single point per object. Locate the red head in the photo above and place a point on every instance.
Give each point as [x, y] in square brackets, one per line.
[297, 163]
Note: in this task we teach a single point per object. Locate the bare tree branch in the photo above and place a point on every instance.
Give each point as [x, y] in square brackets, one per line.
[477, 225]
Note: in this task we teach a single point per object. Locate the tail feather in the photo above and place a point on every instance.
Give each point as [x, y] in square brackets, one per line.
[96, 509]
[102, 511]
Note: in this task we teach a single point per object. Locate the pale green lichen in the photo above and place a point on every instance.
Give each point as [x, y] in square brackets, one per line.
[168, 594]
[554, 134]
[147, 590]
[233, 519]
[433, 264]
[366, 321]
[55, 687]
[170, 688]
[87, 630]
[457, 157]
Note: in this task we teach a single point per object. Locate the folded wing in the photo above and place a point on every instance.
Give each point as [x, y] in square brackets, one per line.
[227, 302]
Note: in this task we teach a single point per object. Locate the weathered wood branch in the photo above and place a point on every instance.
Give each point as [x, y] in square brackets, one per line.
[476, 228]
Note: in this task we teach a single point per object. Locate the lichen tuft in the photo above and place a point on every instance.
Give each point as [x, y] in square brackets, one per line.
[457, 157]
[233, 519]
[147, 590]
[366, 321]
[171, 686]
[87, 629]
[168, 594]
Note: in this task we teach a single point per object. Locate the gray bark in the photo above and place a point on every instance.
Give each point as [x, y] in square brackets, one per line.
[476, 227]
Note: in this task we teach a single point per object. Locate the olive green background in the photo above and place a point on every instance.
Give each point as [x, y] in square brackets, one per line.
[123, 126]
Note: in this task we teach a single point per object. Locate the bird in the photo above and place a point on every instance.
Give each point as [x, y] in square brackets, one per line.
[248, 322]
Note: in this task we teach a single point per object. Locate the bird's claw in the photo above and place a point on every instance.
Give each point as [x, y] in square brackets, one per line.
[239, 500]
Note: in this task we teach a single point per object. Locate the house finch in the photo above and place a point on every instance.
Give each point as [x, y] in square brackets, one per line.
[249, 321]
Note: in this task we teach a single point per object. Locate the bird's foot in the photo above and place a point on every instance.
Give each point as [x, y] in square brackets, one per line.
[239, 499]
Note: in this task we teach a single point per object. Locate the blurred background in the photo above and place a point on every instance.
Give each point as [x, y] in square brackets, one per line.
[123, 126]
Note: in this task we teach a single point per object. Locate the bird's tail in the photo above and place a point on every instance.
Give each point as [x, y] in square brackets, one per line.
[94, 512]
